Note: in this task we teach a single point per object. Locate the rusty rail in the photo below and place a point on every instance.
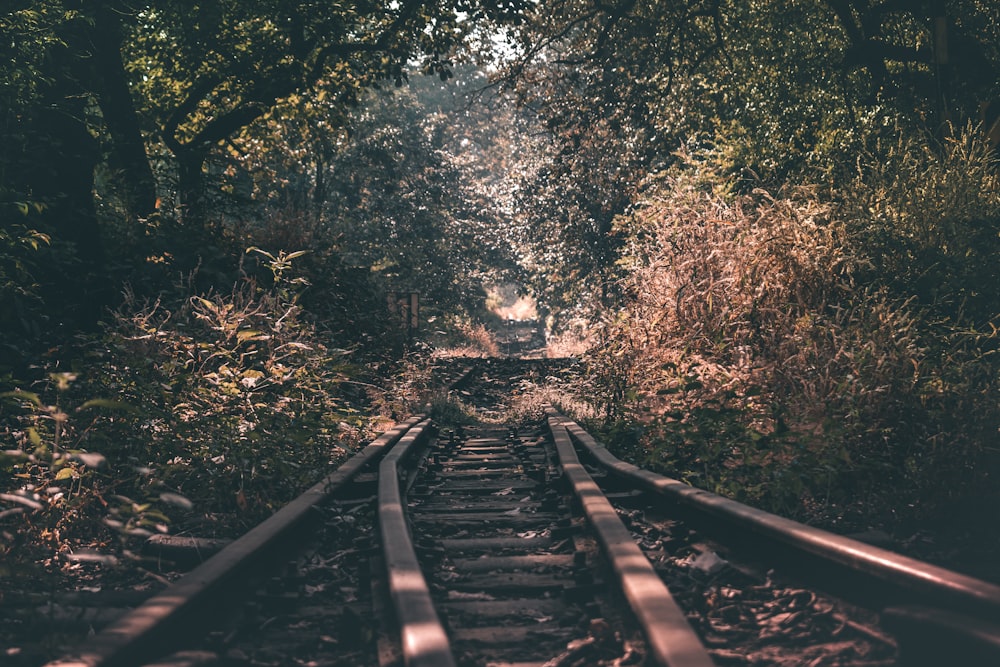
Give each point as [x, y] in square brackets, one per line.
[943, 586]
[423, 638]
[145, 633]
[959, 613]
[672, 642]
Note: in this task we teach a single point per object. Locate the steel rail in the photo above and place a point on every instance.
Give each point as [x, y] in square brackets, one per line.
[145, 633]
[422, 636]
[671, 640]
[906, 576]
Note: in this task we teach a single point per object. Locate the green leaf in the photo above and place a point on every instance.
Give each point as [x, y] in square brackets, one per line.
[63, 380]
[156, 515]
[24, 396]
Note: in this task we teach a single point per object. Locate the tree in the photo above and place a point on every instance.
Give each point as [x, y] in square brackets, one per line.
[153, 94]
[47, 168]
[758, 93]
[938, 55]
[402, 205]
[206, 73]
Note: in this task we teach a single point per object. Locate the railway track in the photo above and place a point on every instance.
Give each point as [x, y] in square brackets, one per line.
[529, 544]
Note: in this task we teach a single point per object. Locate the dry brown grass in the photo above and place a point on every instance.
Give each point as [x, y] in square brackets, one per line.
[737, 292]
[467, 339]
[767, 329]
[575, 340]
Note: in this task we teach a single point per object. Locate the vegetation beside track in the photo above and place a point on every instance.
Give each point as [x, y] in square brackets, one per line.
[828, 358]
[769, 229]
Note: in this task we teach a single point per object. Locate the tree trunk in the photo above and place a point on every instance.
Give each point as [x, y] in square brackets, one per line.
[60, 174]
[129, 157]
[191, 188]
[323, 154]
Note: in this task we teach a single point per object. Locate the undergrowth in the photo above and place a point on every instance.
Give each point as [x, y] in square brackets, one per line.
[459, 336]
[825, 356]
[205, 412]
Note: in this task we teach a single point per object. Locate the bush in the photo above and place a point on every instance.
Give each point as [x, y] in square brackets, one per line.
[926, 213]
[223, 404]
[247, 401]
[772, 347]
[460, 336]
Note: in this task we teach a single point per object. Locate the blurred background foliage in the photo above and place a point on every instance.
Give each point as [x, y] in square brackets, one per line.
[770, 227]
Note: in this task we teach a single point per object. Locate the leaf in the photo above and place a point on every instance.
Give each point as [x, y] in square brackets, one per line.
[65, 473]
[63, 380]
[249, 334]
[208, 305]
[176, 500]
[137, 532]
[250, 378]
[91, 459]
[87, 556]
[259, 251]
[31, 397]
[21, 500]
[156, 515]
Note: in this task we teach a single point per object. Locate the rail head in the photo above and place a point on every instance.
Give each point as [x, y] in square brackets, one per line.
[423, 638]
[144, 634]
[671, 640]
[908, 576]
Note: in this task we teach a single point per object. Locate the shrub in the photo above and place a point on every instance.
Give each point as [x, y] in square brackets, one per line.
[771, 348]
[212, 404]
[927, 215]
[23, 255]
[245, 402]
[462, 337]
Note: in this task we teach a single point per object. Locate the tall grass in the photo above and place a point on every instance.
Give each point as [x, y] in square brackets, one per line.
[814, 352]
